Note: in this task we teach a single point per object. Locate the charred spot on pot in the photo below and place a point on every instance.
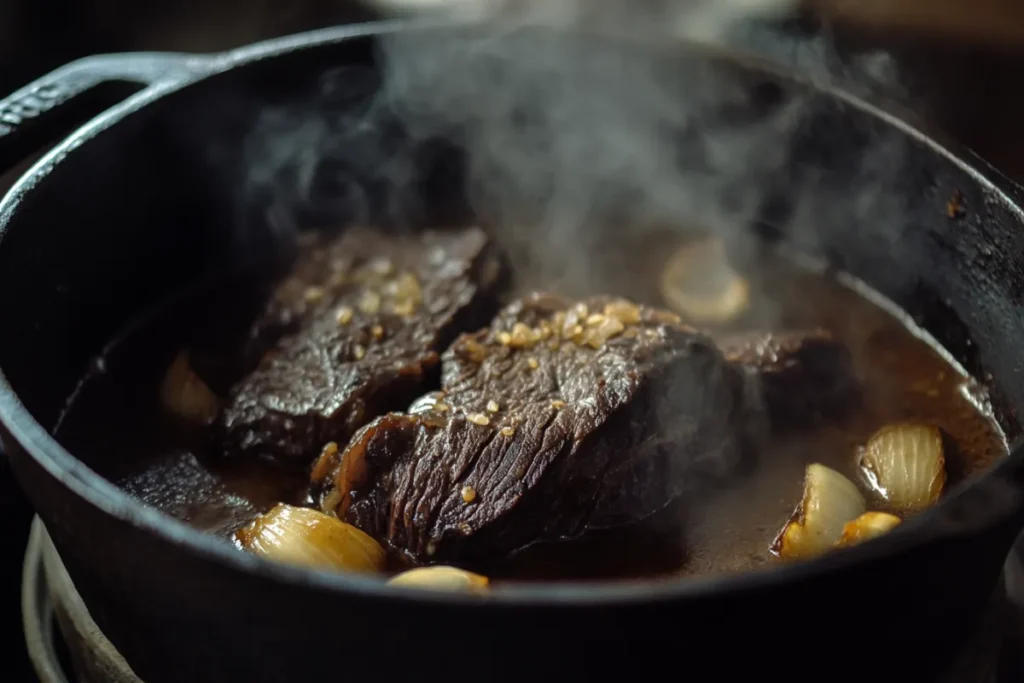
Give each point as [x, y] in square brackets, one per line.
[955, 206]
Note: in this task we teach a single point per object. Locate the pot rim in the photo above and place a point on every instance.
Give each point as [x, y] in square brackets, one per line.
[102, 494]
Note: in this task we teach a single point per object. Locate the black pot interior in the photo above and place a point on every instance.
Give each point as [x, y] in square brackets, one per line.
[209, 177]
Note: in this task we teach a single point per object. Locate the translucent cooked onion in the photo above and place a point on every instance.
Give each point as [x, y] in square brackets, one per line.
[699, 283]
[309, 538]
[905, 464]
[183, 394]
[829, 501]
[867, 526]
[441, 578]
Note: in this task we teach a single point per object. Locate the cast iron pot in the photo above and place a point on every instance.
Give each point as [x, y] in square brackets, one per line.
[131, 208]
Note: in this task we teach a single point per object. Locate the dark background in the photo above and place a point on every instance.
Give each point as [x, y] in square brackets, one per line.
[969, 90]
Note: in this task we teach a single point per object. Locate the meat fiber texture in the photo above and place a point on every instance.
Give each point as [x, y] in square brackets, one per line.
[356, 330]
[800, 377]
[560, 417]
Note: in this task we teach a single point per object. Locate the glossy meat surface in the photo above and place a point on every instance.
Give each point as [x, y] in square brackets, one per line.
[354, 331]
[561, 417]
[800, 376]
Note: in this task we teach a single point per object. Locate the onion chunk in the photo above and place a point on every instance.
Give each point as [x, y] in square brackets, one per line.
[309, 538]
[699, 283]
[185, 395]
[867, 526]
[829, 501]
[905, 464]
[441, 578]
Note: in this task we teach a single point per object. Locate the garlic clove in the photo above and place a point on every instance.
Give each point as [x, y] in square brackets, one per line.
[867, 526]
[699, 283]
[309, 538]
[905, 464]
[441, 578]
[829, 501]
[184, 394]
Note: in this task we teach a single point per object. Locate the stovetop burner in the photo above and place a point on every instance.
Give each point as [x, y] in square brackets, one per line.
[64, 643]
[66, 646]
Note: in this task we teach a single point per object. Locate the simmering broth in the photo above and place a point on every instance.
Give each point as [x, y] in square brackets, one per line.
[115, 422]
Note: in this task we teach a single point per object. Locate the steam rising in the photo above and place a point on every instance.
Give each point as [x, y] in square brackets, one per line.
[582, 147]
[704, 20]
[587, 137]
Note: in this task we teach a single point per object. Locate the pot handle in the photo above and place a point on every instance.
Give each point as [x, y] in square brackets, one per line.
[44, 111]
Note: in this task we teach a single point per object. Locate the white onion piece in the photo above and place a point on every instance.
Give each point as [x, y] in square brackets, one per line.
[309, 538]
[867, 526]
[699, 283]
[905, 464]
[441, 578]
[829, 501]
[183, 394]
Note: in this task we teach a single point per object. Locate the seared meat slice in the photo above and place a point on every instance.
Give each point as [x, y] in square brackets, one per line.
[559, 418]
[365, 318]
[801, 376]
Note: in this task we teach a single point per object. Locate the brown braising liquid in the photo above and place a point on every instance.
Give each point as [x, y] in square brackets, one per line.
[115, 424]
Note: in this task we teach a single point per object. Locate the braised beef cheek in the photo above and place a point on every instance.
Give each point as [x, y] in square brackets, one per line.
[354, 331]
[560, 417]
[801, 377]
